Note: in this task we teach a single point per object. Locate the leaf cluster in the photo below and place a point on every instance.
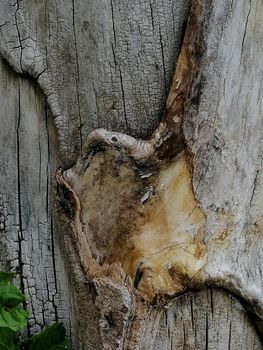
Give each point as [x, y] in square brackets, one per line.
[13, 318]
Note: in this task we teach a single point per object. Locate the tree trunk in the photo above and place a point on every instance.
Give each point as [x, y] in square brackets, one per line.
[138, 225]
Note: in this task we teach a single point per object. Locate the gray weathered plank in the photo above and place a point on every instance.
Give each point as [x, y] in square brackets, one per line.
[210, 319]
[28, 244]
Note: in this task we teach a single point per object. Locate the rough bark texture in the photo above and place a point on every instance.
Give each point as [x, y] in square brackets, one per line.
[28, 244]
[110, 64]
[114, 59]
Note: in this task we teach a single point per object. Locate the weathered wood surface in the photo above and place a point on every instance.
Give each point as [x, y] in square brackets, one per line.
[210, 319]
[29, 239]
[104, 64]
[224, 131]
[100, 64]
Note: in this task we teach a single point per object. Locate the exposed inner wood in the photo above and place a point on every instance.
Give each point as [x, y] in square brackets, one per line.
[158, 240]
[146, 220]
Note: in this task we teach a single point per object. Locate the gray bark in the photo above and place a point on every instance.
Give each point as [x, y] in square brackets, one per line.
[110, 64]
[114, 59]
[224, 131]
[28, 244]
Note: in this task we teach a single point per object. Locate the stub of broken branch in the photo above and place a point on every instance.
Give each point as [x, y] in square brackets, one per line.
[142, 152]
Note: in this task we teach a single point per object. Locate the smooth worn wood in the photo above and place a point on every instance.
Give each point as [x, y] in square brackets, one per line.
[223, 129]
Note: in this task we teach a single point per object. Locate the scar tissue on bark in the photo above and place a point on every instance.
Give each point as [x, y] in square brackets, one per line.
[134, 205]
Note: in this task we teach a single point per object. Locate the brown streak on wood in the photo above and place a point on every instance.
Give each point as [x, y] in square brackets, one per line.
[186, 69]
[179, 97]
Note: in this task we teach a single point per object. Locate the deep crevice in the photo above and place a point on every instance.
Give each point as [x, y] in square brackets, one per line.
[245, 30]
[19, 200]
[19, 34]
[77, 70]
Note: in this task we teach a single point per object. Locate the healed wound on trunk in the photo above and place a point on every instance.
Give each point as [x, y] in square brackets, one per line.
[132, 201]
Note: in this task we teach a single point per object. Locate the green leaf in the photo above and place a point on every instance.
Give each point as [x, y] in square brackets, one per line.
[10, 296]
[6, 277]
[15, 318]
[8, 339]
[52, 338]
[12, 315]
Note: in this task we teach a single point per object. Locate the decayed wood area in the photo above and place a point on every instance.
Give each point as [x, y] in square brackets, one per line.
[118, 79]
